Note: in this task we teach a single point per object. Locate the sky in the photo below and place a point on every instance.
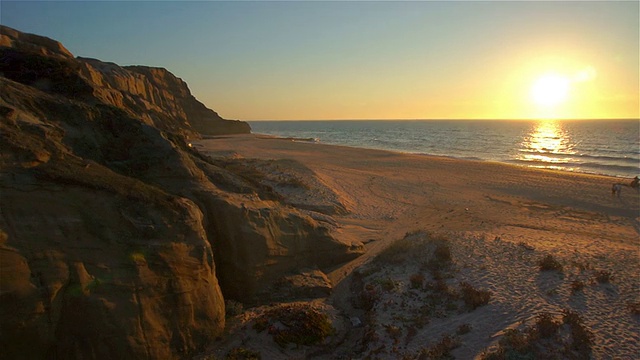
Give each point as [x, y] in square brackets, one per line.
[321, 60]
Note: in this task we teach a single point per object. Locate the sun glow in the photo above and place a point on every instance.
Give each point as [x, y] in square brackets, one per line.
[550, 90]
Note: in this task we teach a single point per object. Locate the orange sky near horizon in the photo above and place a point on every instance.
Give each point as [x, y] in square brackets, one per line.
[324, 60]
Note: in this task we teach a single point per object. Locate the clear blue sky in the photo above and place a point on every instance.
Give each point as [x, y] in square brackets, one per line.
[351, 60]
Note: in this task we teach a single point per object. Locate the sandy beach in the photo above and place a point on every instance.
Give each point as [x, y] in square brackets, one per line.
[498, 222]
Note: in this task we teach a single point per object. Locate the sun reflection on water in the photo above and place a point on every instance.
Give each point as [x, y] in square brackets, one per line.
[548, 143]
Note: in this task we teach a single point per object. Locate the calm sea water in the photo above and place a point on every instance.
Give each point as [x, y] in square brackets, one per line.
[608, 147]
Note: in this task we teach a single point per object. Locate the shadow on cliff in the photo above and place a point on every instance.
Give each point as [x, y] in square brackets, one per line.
[118, 240]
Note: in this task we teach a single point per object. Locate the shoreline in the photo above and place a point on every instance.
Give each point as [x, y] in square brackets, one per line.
[427, 155]
[499, 219]
[510, 162]
[595, 147]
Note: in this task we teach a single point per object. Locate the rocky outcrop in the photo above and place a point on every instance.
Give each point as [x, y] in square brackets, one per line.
[30, 43]
[118, 240]
[95, 263]
[154, 94]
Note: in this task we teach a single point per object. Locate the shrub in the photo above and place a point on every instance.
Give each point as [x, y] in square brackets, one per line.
[634, 307]
[442, 253]
[232, 307]
[472, 297]
[368, 297]
[411, 332]
[393, 331]
[577, 285]
[545, 326]
[387, 284]
[398, 251]
[581, 337]
[543, 338]
[464, 329]
[604, 277]
[516, 340]
[242, 354]
[416, 281]
[549, 263]
[441, 257]
[297, 324]
[440, 350]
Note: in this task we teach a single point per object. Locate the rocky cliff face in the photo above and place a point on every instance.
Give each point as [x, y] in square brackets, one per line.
[154, 94]
[117, 240]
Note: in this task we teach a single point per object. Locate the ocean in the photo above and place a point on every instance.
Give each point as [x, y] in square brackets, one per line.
[606, 147]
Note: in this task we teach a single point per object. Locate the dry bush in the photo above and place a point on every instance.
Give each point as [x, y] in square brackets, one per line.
[464, 329]
[581, 337]
[299, 324]
[416, 281]
[577, 285]
[549, 263]
[387, 284]
[394, 331]
[240, 353]
[634, 307]
[473, 297]
[232, 307]
[604, 277]
[545, 326]
[368, 298]
[442, 253]
[440, 350]
[568, 339]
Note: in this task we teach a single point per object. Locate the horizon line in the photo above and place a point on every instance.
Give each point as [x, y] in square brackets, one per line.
[460, 119]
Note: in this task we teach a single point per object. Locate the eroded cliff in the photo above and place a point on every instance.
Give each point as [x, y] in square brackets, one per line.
[118, 240]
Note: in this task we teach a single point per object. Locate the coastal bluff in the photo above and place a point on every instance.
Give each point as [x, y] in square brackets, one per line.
[118, 239]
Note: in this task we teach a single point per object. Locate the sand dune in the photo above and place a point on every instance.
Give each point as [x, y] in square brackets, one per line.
[499, 220]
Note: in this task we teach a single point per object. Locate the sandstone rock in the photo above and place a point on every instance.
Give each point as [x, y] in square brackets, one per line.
[117, 240]
[96, 264]
[154, 94]
[260, 241]
[32, 43]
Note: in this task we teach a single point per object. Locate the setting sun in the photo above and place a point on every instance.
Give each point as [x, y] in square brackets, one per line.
[550, 90]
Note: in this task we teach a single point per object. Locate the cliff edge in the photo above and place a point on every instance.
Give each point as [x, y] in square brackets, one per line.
[117, 239]
[156, 95]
